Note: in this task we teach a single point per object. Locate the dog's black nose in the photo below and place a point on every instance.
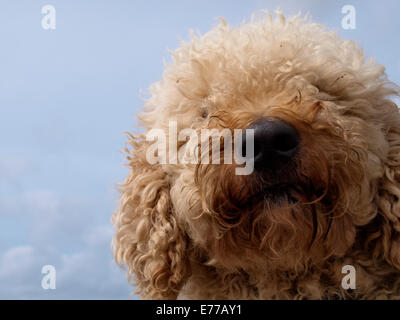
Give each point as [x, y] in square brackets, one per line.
[275, 143]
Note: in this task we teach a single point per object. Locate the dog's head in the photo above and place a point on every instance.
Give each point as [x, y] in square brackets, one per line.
[324, 176]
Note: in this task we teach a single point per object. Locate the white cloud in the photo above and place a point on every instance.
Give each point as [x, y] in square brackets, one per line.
[87, 274]
[69, 233]
[17, 260]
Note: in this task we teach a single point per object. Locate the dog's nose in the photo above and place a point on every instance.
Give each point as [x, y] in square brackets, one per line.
[275, 143]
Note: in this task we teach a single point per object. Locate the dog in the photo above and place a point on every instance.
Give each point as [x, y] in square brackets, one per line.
[324, 192]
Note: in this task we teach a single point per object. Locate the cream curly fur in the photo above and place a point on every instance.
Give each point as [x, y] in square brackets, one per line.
[184, 231]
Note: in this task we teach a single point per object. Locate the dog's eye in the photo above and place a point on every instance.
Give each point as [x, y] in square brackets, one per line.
[204, 114]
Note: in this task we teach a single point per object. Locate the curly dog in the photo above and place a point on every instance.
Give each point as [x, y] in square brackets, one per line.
[324, 192]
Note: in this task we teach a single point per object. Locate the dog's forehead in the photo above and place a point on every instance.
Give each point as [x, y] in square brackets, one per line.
[267, 46]
[230, 65]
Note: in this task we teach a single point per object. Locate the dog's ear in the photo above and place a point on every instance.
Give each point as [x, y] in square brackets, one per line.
[148, 239]
[387, 222]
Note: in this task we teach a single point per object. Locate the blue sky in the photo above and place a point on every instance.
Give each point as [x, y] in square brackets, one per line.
[66, 97]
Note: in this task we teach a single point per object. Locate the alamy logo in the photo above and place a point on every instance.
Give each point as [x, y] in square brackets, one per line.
[198, 149]
[349, 20]
[49, 280]
[349, 280]
[49, 17]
